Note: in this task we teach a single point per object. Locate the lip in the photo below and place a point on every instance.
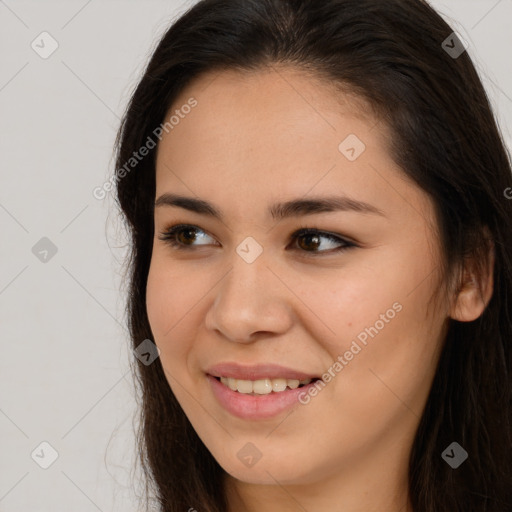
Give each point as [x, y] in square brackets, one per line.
[255, 407]
[256, 372]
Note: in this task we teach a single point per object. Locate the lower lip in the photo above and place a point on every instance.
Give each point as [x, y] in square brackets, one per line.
[254, 407]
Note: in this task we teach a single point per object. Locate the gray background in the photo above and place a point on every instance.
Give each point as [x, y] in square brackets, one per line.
[65, 362]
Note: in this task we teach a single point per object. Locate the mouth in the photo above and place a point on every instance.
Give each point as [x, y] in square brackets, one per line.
[260, 399]
[263, 386]
[259, 391]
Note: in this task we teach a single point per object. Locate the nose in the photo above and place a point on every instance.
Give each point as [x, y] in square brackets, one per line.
[250, 302]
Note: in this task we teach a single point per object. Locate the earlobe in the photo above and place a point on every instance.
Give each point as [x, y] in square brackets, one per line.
[475, 291]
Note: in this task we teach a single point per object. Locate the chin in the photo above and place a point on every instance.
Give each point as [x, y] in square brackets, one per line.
[267, 472]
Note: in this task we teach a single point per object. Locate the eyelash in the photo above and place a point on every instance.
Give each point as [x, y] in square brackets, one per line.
[169, 237]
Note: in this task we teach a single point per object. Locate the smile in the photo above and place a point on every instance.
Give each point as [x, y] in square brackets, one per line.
[262, 386]
[249, 404]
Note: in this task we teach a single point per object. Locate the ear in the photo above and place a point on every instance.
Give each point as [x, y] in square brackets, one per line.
[476, 287]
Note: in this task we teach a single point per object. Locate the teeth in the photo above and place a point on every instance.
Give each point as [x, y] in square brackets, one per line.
[262, 386]
[279, 385]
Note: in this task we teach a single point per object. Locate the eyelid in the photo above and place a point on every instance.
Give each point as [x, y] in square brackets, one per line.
[170, 231]
[313, 230]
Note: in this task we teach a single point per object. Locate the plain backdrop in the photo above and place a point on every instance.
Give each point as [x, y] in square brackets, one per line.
[66, 394]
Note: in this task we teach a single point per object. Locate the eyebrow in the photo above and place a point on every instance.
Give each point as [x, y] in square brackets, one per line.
[278, 211]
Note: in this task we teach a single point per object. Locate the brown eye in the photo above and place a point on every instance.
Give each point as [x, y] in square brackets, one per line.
[186, 236]
[311, 240]
[183, 236]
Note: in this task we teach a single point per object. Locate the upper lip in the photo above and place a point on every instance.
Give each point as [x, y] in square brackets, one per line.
[257, 372]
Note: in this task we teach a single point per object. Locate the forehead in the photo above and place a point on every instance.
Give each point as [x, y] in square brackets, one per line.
[272, 121]
[277, 96]
[273, 134]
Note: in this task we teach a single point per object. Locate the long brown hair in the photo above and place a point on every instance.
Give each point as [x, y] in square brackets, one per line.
[444, 136]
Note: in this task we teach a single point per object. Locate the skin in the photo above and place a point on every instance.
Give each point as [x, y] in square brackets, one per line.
[273, 135]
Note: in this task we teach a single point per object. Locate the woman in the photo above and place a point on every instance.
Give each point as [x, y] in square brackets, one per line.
[321, 252]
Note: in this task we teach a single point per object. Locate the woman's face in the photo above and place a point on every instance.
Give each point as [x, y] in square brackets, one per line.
[347, 303]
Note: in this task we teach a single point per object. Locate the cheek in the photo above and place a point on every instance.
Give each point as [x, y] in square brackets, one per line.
[158, 299]
[167, 303]
[382, 307]
[170, 295]
[343, 303]
[389, 344]
[174, 298]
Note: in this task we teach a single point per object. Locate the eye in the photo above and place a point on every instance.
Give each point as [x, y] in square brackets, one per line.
[182, 236]
[312, 241]
[309, 240]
